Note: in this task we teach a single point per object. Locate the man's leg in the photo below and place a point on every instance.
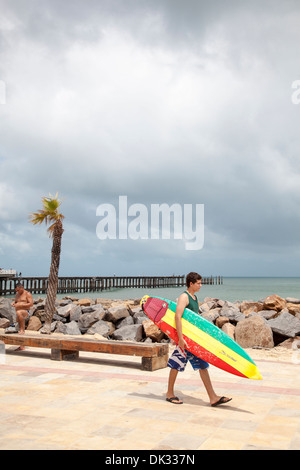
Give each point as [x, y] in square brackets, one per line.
[21, 317]
[213, 397]
[170, 392]
[177, 363]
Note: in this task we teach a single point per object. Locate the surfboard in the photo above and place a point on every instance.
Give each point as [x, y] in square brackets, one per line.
[203, 338]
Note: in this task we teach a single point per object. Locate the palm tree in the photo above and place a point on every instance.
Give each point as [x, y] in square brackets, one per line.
[50, 214]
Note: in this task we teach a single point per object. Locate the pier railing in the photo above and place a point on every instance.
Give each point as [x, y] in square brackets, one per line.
[38, 285]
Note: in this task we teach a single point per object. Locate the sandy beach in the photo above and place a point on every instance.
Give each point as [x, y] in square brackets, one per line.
[278, 353]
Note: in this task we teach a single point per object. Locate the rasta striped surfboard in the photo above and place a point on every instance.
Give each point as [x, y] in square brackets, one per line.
[203, 338]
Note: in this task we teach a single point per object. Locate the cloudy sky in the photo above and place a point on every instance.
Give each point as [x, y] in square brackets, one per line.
[162, 101]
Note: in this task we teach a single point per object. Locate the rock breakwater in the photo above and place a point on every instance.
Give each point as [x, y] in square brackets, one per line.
[262, 324]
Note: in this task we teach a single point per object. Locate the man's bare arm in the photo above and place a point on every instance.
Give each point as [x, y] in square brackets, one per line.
[181, 304]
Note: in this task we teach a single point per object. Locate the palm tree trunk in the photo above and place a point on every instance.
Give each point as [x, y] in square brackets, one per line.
[53, 277]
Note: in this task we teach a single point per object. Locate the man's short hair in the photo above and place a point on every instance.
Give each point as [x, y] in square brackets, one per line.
[192, 278]
[19, 284]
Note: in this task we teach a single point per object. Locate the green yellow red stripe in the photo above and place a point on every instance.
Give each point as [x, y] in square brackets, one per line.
[203, 353]
[203, 338]
[220, 350]
[207, 327]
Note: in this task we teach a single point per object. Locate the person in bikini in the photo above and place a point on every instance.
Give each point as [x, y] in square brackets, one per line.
[181, 356]
[23, 302]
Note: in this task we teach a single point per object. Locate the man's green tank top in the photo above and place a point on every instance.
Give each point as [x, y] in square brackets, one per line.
[193, 303]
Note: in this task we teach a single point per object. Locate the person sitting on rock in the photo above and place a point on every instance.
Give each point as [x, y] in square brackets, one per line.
[23, 302]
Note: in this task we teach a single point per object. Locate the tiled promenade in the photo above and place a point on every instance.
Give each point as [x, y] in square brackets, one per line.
[107, 402]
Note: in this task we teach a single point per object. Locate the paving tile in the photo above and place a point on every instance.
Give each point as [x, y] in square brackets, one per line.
[277, 428]
[178, 441]
[236, 435]
[114, 405]
[151, 414]
[212, 443]
[112, 431]
[288, 412]
[268, 441]
[242, 425]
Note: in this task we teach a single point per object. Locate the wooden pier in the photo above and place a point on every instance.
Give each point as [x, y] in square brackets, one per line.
[38, 285]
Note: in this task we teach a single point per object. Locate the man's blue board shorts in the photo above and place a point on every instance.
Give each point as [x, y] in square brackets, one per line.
[179, 359]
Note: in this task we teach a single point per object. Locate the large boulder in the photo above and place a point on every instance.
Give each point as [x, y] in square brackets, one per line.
[152, 331]
[34, 324]
[220, 321]
[229, 329]
[38, 306]
[116, 313]
[232, 313]
[268, 314]
[72, 328]
[101, 327]
[139, 317]
[4, 323]
[84, 302]
[274, 302]
[254, 331]
[285, 324]
[292, 300]
[293, 308]
[125, 322]
[6, 310]
[247, 307]
[129, 333]
[75, 312]
[206, 306]
[88, 319]
[60, 327]
[64, 311]
[211, 315]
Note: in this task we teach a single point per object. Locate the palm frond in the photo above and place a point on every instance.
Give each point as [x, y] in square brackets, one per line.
[50, 205]
[38, 217]
[49, 214]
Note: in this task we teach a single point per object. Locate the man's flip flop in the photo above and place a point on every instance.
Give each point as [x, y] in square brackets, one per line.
[175, 400]
[223, 400]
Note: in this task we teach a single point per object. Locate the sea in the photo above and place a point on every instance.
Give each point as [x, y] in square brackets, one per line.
[233, 289]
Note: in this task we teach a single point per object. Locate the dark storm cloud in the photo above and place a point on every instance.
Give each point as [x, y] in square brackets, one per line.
[163, 101]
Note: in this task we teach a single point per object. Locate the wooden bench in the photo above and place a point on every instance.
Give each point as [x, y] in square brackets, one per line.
[154, 355]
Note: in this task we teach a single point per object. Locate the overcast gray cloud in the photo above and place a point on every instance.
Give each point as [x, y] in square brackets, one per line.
[165, 102]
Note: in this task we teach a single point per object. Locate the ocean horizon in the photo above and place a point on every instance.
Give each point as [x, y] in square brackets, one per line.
[233, 289]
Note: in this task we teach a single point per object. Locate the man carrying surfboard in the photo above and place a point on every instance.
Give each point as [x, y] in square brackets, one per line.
[178, 360]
